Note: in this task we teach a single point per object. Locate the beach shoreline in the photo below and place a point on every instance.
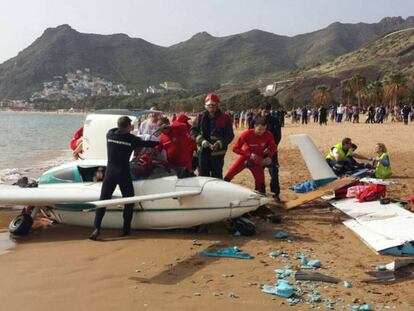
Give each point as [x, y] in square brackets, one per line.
[154, 270]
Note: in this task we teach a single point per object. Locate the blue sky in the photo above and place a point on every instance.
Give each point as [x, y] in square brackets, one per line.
[166, 22]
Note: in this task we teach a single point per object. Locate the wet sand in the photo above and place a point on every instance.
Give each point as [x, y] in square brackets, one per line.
[59, 268]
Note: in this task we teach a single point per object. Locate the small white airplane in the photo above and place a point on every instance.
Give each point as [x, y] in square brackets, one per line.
[68, 193]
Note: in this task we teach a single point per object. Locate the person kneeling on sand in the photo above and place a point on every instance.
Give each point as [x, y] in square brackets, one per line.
[339, 156]
[256, 147]
[382, 162]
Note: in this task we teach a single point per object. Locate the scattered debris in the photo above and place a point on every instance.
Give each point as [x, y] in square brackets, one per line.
[315, 276]
[293, 301]
[275, 254]
[365, 307]
[309, 264]
[280, 234]
[231, 252]
[227, 275]
[316, 297]
[282, 288]
[347, 284]
[281, 274]
[399, 263]
[233, 295]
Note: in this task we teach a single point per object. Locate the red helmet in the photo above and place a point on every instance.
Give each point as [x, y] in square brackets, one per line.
[212, 98]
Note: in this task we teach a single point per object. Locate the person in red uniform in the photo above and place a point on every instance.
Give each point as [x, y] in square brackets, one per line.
[175, 139]
[256, 147]
[76, 142]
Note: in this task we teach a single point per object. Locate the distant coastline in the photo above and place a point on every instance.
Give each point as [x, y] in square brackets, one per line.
[54, 112]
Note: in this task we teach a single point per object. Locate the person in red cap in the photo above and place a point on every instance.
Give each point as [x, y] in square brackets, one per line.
[175, 139]
[182, 118]
[213, 131]
[255, 148]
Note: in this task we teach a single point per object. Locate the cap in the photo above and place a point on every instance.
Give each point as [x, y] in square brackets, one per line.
[212, 99]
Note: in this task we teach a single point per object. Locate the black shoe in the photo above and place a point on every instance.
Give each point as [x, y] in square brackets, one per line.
[277, 199]
[125, 232]
[95, 235]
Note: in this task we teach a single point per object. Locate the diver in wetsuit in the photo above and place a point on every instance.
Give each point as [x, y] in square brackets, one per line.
[120, 144]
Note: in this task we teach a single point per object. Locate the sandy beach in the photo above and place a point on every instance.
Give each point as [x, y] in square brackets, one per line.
[59, 268]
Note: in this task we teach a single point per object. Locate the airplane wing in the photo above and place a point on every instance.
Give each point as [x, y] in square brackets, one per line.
[44, 196]
[142, 198]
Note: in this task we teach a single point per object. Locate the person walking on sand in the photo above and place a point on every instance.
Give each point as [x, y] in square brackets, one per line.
[120, 144]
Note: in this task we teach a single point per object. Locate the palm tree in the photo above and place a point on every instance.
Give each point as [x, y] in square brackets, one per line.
[322, 95]
[346, 91]
[375, 93]
[395, 84]
[358, 84]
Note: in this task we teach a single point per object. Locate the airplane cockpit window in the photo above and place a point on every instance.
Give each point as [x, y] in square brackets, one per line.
[92, 174]
[66, 174]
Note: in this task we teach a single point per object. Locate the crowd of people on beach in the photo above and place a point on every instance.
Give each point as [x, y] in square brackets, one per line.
[352, 113]
[199, 147]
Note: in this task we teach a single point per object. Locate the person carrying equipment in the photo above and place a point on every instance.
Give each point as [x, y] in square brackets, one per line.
[339, 157]
[256, 148]
[213, 131]
[382, 163]
[120, 144]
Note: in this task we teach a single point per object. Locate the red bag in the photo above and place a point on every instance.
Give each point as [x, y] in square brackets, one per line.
[411, 199]
[372, 193]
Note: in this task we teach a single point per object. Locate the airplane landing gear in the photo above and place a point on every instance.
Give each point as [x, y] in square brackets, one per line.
[243, 225]
[22, 224]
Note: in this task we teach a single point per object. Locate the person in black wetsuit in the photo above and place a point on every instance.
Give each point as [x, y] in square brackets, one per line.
[120, 144]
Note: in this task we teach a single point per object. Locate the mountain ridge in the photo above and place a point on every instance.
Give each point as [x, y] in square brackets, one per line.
[201, 60]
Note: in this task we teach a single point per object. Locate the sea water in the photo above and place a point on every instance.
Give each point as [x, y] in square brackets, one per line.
[27, 139]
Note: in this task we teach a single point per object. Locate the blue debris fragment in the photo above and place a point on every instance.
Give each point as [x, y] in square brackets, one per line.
[293, 301]
[282, 288]
[347, 284]
[316, 263]
[281, 274]
[405, 249]
[275, 254]
[329, 305]
[231, 252]
[316, 297]
[280, 235]
[365, 307]
[304, 187]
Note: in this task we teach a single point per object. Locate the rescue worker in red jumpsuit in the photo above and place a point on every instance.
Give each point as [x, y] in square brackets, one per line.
[175, 139]
[256, 147]
[213, 131]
